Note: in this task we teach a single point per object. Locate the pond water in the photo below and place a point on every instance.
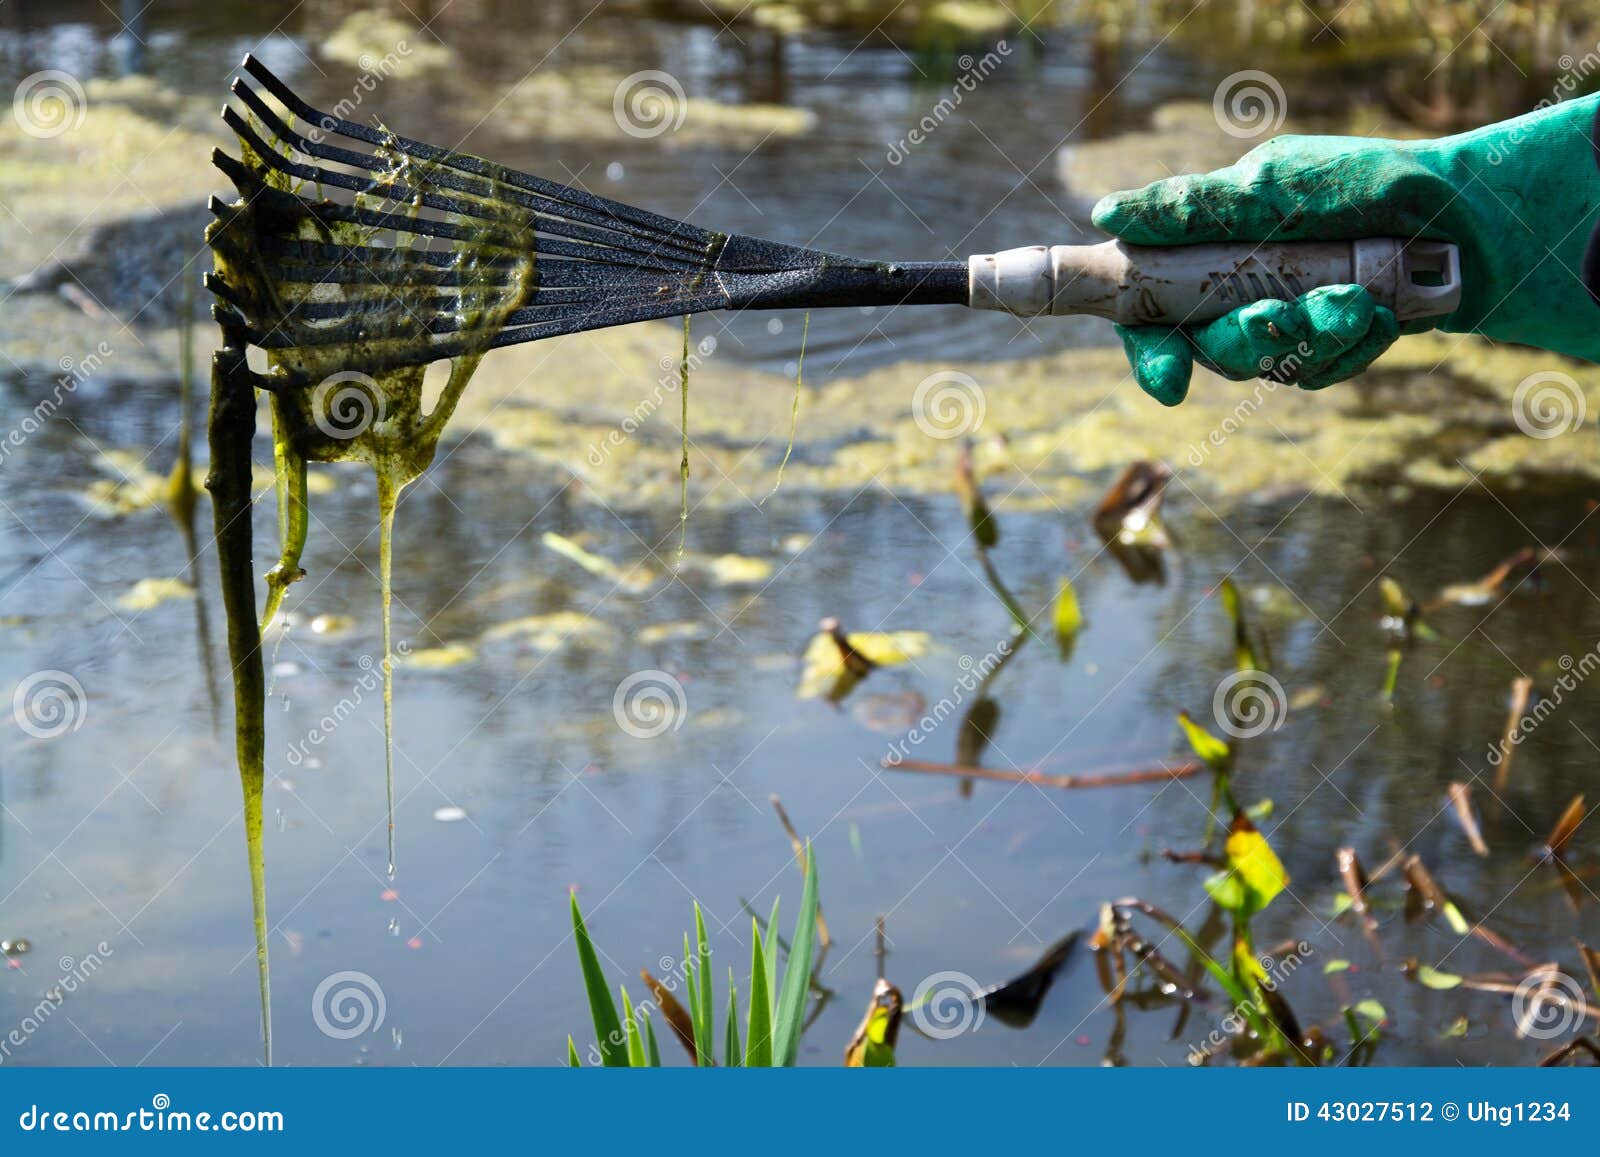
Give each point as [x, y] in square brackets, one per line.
[120, 837]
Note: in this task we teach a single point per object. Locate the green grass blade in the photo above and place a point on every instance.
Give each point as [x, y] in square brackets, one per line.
[758, 1029]
[631, 1027]
[607, 1029]
[704, 1028]
[771, 950]
[730, 1044]
[572, 1054]
[652, 1050]
[692, 988]
[797, 974]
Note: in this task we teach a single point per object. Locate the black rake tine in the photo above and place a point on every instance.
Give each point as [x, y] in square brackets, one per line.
[401, 193]
[374, 360]
[461, 161]
[253, 189]
[692, 240]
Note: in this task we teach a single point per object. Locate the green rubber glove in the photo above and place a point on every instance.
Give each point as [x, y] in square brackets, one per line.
[1519, 198]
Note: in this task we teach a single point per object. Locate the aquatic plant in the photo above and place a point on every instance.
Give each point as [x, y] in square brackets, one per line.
[775, 1016]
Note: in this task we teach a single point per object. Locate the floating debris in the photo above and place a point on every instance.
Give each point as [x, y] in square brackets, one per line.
[835, 662]
[1522, 566]
[1467, 817]
[679, 632]
[149, 593]
[1128, 521]
[440, 658]
[1521, 692]
[634, 580]
[872, 1044]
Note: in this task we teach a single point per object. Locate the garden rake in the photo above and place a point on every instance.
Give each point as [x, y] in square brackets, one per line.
[432, 253]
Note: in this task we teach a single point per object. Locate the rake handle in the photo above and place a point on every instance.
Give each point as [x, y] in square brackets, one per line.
[1148, 285]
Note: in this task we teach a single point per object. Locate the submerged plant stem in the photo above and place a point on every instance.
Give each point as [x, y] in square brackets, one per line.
[683, 428]
[388, 494]
[794, 411]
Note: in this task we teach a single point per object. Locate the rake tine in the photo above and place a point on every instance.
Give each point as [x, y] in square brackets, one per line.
[617, 210]
[616, 232]
[402, 194]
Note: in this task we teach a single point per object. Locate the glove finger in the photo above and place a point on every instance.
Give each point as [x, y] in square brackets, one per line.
[1287, 340]
[1161, 360]
[1291, 188]
[1251, 340]
[1366, 350]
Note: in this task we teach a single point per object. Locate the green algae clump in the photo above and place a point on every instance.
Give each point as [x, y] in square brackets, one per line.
[350, 391]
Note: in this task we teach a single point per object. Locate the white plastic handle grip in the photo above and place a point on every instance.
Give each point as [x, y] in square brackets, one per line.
[1140, 285]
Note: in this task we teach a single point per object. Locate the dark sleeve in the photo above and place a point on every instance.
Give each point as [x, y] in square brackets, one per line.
[1591, 256]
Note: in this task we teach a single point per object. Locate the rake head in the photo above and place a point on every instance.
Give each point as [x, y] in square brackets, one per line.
[409, 253]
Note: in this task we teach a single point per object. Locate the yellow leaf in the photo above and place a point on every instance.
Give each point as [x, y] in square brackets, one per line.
[1255, 864]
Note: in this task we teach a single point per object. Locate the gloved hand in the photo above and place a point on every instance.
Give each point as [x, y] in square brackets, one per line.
[1518, 198]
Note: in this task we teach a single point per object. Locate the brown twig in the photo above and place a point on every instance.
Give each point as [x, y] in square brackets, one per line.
[824, 940]
[1461, 804]
[1521, 688]
[1043, 779]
